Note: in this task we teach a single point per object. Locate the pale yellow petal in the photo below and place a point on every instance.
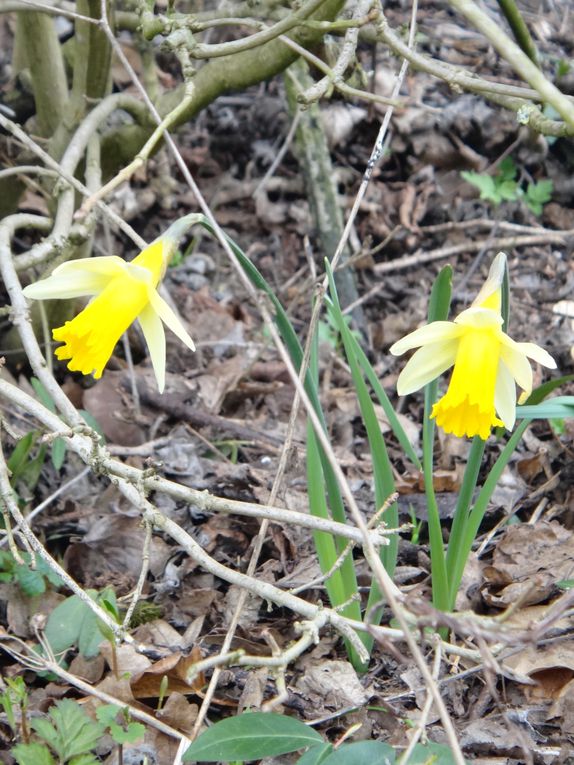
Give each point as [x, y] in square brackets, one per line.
[77, 278]
[505, 396]
[426, 365]
[537, 353]
[516, 362]
[170, 319]
[437, 331]
[110, 265]
[479, 318]
[154, 334]
[490, 293]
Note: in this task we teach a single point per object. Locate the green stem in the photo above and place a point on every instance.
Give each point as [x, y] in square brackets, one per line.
[462, 514]
[478, 511]
[438, 563]
[519, 29]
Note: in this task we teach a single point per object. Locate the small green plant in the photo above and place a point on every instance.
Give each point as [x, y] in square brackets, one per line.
[73, 623]
[476, 421]
[59, 447]
[68, 736]
[14, 702]
[328, 330]
[503, 187]
[27, 460]
[32, 577]
[255, 735]
[119, 724]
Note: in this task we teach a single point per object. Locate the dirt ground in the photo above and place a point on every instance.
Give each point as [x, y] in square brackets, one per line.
[221, 424]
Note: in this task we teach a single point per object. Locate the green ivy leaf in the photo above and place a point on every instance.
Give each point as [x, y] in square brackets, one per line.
[251, 736]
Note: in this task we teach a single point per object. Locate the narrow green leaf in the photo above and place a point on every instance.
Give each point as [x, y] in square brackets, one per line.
[439, 303]
[461, 514]
[251, 736]
[382, 471]
[19, 457]
[90, 420]
[540, 393]
[42, 393]
[439, 306]
[58, 452]
[362, 752]
[560, 406]
[324, 543]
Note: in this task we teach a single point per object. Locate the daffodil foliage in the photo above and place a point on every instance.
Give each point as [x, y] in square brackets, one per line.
[487, 363]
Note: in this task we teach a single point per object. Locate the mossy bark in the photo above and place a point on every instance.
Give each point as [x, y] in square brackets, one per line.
[38, 46]
[314, 158]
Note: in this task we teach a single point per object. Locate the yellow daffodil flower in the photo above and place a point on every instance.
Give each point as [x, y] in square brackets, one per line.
[487, 362]
[123, 292]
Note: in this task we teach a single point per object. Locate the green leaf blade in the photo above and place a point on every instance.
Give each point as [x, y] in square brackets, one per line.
[251, 737]
[362, 752]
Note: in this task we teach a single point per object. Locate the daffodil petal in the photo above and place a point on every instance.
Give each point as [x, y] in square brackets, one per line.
[435, 332]
[490, 293]
[77, 278]
[154, 334]
[505, 396]
[426, 365]
[538, 354]
[516, 362]
[108, 265]
[170, 319]
[479, 318]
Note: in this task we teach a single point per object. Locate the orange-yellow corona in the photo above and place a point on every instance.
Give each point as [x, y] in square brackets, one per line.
[122, 292]
[487, 364]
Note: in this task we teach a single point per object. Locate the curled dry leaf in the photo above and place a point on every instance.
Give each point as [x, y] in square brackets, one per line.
[527, 563]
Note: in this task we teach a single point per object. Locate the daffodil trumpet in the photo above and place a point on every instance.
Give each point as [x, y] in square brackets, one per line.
[121, 292]
[487, 363]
